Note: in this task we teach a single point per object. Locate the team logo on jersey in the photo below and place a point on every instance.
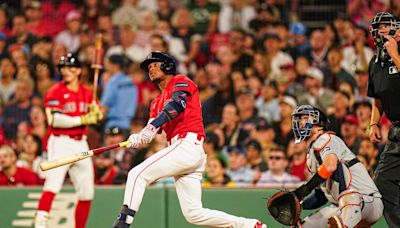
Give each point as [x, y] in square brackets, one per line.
[67, 95]
[181, 85]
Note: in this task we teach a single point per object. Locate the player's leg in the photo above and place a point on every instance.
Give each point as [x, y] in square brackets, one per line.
[188, 189]
[387, 180]
[175, 159]
[82, 177]
[372, 210]
[53, 183]
[320, 217]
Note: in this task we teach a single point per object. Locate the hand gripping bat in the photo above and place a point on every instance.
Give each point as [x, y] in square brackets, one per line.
[79, 156]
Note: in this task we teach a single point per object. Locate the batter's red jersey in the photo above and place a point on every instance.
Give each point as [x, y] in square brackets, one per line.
[190, 120]
[59, 98]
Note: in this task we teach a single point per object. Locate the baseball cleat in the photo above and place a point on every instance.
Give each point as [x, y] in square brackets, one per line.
[260, 225]
[41, 219]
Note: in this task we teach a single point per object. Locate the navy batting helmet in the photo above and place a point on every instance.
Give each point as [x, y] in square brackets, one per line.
[168, 65]
[315, 117]
[69, 60]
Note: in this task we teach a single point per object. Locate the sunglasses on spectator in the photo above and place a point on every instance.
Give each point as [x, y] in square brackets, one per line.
[276, 157]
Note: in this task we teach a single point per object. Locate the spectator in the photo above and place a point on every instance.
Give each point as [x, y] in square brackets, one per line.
[120, 95]
[349, 132]
[127, 34]
[358, 55]
[34, 19]
[205, 16]
[276, 176]
[70, 35]
[4, 22]
[363, 111]
[268, 103]
[165, 10]
[361, 12]
[238, 171]
[236, 43]
[7, 81]
[275, 57]
[108, 30]
[211, 145]
[21, 36]
[283, 128]
[19, 55]
[31, 155]
[298, 42]
[114, 135]
[55, 13]
[316, 95]
[203, 83]
[147, 26]
[38, 125]
[216, 173]
[364, 159]
[43, 73]
[317, 54]
[362, 85]
[11, 175]
[297, 153]
[334, 74]
[90, 11]
[338, 112]
[42, 48]
[128, 13]
[253, 156]
[233, 133]
[264, 134]
[288, 82]
[18, 111]
[58, 51]
[245, 101]
[371, 150]
[106, 173]
[235, 14]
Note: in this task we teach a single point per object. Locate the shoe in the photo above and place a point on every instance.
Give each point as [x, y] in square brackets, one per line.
[260, 225]
[335, 222]
[41, 219]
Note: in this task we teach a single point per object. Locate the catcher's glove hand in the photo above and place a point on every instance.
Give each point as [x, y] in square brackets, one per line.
[285, 208]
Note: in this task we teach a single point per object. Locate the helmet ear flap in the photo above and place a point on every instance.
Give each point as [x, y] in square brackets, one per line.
[168, 67]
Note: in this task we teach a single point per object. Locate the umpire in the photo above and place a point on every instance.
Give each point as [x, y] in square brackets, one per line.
[384, 87]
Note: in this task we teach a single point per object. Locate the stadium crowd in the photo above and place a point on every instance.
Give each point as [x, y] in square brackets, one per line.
[253, 62]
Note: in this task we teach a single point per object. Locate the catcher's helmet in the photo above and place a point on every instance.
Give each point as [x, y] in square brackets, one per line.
[383, 18]
[315, 117]
[69, 60]
[168, 65]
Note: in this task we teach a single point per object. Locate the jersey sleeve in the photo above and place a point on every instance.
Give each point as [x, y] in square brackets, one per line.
[329, 144]
[184, 84]
[153, 108]
[53, 100]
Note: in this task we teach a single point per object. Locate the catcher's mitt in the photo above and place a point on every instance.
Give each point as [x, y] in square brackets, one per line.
[285, 208]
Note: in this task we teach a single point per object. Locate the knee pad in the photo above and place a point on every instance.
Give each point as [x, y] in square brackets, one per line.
[192, 216]
[350, 205]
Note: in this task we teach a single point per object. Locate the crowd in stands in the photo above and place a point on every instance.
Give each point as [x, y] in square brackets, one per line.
[252, 60]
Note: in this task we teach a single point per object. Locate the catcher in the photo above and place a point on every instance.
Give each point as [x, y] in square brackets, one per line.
[338, 177]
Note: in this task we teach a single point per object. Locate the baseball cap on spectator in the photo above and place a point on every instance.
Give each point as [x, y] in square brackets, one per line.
[271, 83]
[116, 131]
[316, 73]
[34, 4]
[297, 28]
[289, 100]
[351, 119]
[236, 149]
[254, 144]
[73, 15]
[263, 125]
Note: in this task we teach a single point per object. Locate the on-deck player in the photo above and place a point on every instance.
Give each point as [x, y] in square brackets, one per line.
[69, 111]
[177, 111]
[338, 176]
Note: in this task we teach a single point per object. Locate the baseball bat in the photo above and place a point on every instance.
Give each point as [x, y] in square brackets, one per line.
[97, 63]
[79, 156]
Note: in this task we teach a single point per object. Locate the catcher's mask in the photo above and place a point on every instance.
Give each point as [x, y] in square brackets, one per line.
[304, 117]
[383, 18]
[168, 65]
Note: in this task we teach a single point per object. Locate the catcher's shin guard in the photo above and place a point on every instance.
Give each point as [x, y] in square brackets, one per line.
[335, 222]
[125, 218]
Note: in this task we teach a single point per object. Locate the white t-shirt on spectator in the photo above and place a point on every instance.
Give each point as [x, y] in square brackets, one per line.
[70, 41]
[351, 61]
[229, 18]
[280, 59]
[7, 91]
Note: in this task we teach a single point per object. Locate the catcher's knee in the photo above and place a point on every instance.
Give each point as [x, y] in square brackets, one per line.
[350, 206]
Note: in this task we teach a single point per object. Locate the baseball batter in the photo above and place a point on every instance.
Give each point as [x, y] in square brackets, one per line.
[177, 111]
[338, 176]
[68, 111]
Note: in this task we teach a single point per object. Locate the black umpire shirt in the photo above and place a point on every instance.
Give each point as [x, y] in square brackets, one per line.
[384, 84]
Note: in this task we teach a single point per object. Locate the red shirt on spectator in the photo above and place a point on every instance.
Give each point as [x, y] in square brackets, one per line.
[53, 16]
[108, 177]
[298, 170]
[21, 177]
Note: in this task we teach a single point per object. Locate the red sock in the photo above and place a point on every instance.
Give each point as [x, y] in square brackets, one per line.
[45, 201]
[82, 213]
